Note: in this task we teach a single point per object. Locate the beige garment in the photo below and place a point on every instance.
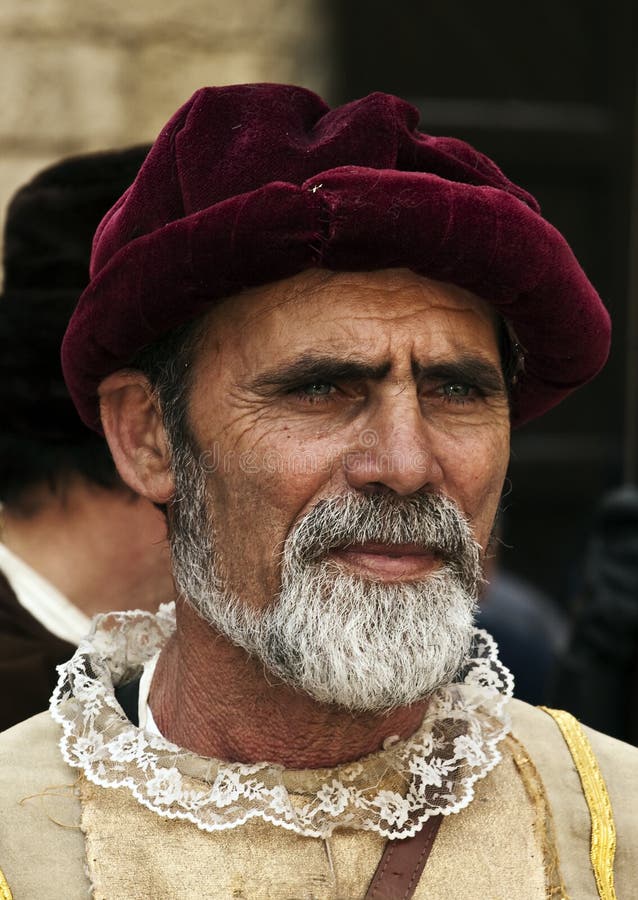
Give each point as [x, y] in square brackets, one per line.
[619, 765]
[260, 862]
[473, 855]
[499, 847]
[41, 844]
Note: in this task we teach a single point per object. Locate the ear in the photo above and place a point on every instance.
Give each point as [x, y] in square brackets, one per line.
[135, 433]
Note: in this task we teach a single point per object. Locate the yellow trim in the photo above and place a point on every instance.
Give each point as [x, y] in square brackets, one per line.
[5, 890]
[603, 829]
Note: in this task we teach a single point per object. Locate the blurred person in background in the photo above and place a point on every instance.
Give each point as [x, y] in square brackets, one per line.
[74, 540]
[597, 675]
[528, 626]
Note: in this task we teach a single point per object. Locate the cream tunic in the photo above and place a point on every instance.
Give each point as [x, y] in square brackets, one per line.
[61, 835]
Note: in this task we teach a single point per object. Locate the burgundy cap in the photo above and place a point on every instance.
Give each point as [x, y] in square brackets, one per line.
[249, 184]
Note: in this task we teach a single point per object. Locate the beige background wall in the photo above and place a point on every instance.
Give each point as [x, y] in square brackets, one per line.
[78, 75]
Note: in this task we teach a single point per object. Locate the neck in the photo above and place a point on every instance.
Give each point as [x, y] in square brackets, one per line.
[214, 699]
[103, 549]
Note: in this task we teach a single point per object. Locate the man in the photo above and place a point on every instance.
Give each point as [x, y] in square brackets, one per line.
[303, 337]
[74, 540]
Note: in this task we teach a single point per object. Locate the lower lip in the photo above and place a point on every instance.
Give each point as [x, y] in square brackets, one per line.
[408, 566]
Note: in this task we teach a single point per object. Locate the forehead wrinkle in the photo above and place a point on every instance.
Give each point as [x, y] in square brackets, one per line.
[402, 337]
[396, 322]
[375, 284]
[372, 307]
[276, 296]
[385, 347]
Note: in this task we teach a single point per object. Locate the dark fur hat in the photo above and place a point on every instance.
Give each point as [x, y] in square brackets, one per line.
[47, 243]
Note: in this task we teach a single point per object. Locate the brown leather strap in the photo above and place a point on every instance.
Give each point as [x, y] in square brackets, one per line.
[400, 867]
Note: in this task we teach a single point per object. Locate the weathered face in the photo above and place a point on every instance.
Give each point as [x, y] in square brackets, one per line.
[327, 384]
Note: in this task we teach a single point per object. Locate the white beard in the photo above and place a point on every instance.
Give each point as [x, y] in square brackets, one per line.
[364, 645]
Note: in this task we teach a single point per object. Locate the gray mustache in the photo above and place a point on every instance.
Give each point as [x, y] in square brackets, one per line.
[430, 520]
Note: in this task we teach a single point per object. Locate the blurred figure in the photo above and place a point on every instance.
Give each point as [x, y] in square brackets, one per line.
[527, 625]
[597, 678]
[529, 629]
[74, 540]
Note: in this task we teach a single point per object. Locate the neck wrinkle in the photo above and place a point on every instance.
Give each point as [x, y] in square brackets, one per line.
[212, 698]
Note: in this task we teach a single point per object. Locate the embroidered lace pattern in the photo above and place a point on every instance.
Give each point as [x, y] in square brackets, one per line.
[391, 792]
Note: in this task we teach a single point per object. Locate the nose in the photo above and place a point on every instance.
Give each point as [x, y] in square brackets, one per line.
[395, 451]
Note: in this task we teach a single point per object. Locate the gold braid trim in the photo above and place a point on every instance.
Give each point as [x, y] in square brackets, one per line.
[5, 890]
[603, 830]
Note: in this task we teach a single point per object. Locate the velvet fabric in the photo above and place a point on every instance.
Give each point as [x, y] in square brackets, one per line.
[249, 184]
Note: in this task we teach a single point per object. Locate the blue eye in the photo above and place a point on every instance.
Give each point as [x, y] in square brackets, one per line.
[314, 392]
[457, 392]
[317, 389]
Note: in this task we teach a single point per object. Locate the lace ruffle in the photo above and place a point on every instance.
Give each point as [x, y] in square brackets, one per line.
[391, 792]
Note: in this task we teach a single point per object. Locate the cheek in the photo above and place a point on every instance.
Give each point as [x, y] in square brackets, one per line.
[282, 470]
[256, 496]
[474, 476]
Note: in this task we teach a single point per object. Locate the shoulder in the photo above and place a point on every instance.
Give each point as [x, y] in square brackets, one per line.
[615, 761]
[541, 735]
[41, 843]
[32, 742]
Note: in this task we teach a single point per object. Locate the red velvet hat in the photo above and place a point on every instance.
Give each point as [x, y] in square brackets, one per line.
[249, 184]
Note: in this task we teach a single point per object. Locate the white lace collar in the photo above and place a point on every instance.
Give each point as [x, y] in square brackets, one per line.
[391, 792]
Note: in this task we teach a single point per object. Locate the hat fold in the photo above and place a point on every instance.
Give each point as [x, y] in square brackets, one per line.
[251, 184]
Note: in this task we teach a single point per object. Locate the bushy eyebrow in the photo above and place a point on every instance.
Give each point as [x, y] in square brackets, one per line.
[473, 370]
[310, 367]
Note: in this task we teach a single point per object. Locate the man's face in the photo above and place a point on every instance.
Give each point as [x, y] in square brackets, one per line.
[332, 383]
[348, 434]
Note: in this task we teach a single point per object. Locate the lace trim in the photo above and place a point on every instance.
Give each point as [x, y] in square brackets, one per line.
[392, 792]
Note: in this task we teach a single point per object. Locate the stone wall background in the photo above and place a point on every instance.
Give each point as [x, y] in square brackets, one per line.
[78, 76]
